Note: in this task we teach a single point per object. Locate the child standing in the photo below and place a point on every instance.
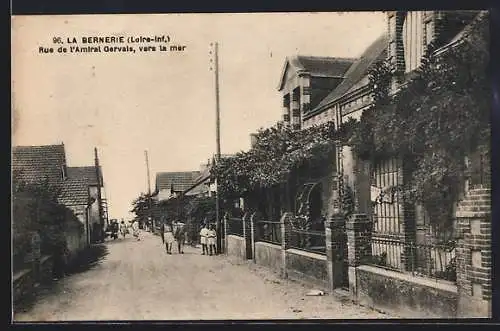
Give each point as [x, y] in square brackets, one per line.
[212, 239]
[204, 239]
[169, 238]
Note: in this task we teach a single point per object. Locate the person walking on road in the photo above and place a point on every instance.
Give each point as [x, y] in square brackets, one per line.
[204, 239]
[212, 239]
[180, 236]
[123, 229]
[162, 233]
[169, 238]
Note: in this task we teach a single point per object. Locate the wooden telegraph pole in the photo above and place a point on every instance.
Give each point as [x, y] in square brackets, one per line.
[149, 189]
[217, 138]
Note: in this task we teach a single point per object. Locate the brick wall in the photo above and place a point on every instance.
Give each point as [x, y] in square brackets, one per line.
[474, 254]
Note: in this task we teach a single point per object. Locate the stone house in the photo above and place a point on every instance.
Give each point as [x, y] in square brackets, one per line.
[385, 253]
[305, 81]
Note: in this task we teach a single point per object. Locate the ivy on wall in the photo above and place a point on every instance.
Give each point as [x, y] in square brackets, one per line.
[439, 116]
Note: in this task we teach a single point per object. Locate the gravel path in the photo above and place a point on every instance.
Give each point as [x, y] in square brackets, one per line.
[137, 280]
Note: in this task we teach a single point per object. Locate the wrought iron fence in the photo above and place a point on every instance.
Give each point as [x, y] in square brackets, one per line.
[235, 226]
[308, 240]
[436, 261]
[268, 231]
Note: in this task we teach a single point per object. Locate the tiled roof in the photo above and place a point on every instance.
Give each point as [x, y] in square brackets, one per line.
[465, 31]
[318, 66]
[74, 192]
[359, 69]
[37, 163]
[87, 173]
[180, 181]
[322, 66]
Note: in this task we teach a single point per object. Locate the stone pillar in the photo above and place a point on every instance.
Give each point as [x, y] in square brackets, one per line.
[226, 231]
[359, 229]
[253, 232]
[409, 225]
[295, 109]
[335, 245]
[473, 254]
[285, 241]
[247, 235]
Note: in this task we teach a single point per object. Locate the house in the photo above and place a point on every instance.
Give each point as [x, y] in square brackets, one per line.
[305, 81]
[203, 184]
[79, 188]
[173, 184]
[385, 250]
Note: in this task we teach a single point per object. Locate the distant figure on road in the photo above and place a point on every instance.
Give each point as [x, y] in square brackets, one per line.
[123, 229]
[169, 238]
[204, 239]
[212, 239]
[135, 230]
[180, 236]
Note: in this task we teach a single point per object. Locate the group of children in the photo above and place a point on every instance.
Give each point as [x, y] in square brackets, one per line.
[208, 239]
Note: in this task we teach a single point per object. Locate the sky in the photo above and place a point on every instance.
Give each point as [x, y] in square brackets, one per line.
[163, 102]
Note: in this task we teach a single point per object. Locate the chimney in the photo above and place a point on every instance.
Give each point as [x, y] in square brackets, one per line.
[253, 139]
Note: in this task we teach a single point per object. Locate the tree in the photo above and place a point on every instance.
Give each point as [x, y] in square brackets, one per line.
[36, 209]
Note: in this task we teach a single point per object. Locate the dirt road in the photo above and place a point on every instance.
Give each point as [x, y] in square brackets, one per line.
[137, 280]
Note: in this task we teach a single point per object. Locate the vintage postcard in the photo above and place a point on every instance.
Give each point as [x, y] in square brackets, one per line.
[251, 166]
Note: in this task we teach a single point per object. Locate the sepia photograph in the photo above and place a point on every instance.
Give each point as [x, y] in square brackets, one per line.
[251, 166]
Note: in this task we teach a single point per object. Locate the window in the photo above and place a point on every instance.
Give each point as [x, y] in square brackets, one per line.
[413, 40]
[429, 32]
[392, 27]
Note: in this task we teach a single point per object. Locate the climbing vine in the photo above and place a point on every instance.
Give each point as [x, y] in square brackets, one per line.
[276, 152]
[440, 116]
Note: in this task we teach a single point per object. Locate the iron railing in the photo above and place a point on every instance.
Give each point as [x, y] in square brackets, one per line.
[268, 231]
[308, 240]
[234, 226]
[437, 261]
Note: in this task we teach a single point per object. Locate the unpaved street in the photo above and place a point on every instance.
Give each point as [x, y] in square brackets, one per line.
[137, 280]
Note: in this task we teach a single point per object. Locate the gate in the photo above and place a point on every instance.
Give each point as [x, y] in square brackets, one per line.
[388, 212]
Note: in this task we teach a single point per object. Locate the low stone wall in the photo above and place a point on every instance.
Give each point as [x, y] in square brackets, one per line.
[23, 280]
[236, 246]
[268, 255]
[306, 266]
[405, 295]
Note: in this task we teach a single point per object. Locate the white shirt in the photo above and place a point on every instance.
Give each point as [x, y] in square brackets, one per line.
[204, 232]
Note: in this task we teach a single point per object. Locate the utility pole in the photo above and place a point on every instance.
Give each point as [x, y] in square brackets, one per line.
[217, 137]
[100, 234]
[149, 189]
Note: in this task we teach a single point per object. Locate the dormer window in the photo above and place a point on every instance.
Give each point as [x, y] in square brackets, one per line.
[413, 40]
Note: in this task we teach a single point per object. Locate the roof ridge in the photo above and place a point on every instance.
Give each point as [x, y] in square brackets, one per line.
[37, 146]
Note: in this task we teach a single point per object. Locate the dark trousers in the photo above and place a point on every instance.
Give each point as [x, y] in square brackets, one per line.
[213, 249]
[180, 246]
[204, 248]
[59, 266]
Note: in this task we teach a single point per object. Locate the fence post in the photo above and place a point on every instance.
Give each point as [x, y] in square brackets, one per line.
[247, 236]
[285, 241]
[226, 230]
[473, 254]
[358, 228]
[253, 231]
[334, 240]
